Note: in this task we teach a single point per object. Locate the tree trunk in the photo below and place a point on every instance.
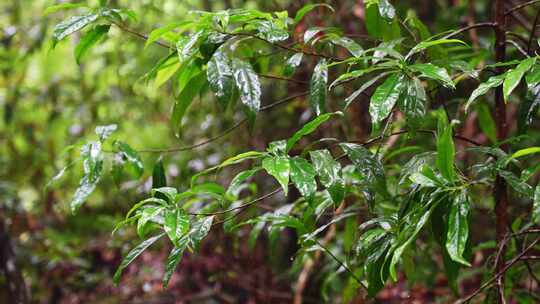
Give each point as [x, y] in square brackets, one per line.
[16, 288]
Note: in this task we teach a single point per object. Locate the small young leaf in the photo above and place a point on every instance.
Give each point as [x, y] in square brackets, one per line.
[292, 63]
[319, 80]
[486, 122]
[133, 254]
[62, 6]
[184, 100]
[526, 151]
[176, 224]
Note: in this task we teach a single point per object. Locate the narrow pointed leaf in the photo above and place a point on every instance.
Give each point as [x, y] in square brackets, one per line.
[133, 254]
[458, 229]
[308, 129]
[385, 97]
[248, 84]
[514, 76]
[89, 39]
[317, 95]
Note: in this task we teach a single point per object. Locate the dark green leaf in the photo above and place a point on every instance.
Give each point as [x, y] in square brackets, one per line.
[329, 171]
[431, 71]
[413, 101]
[176, 224]
[536, 206]
[200, 229]
[319, 80]
[237, 182]
[513, 77]
[307, 8]
[92, 169]
[248, 83]
[184, 100]
[528, 108]
[279, 167]
[131, 156]
[445, 149]
[354, 48]
[518, 185]
[292, 63]
[270, 31]
[483, 88]
[385, 97]
[303, 176]
[172, 262]
[220, 77]
[486, 122]
[71, 25]
[133, 254]
[458, 228]
[159, 178]
[89, 39]
[148, 214]
[308, 129]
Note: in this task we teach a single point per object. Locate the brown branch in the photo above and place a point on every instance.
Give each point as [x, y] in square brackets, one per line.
[138, 34]
[470, 27]
[518, 7]
[501, 272]
[533, 32]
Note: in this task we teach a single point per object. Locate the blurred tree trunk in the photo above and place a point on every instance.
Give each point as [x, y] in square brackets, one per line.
[16, 288]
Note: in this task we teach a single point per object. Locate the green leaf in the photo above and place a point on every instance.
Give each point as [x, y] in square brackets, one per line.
[159, 178]
[148, 214]
[483, 88]
[317, 86]
[308, 8]
[165, 71]
[184, 100]
[169, 192]
[172, 261]
[236, 184]
[526, 151]
[413, 101]
[486, 122]
[103, 132]
[271, 32]
[89, 39]
[220, 78]
[445, 149]
[536, 206]
[292, 63]
[248, 83]
[279, 167]
[62, 6]
[133, 254]
[92, 169]
[517, 184]
[354, 48]
[159, 32]
[364, 87]
[72, 25]
[385, 97]
[329, 171]
[131, 156]
[386, 10]
[458, 228]
[430, 43]
[308, 129]
[200, 229]
[176, 224]
[533, 76]
[431, 71]
[186, 47]
[513, 77]
[303, 176]
[528, 108]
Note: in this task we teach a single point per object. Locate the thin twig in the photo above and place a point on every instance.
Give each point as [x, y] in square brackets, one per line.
[533, 31]
[470, 27]
[222, 134]
[518, 7]
[500, 273]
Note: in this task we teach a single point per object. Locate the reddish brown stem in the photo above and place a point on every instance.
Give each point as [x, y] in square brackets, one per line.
[500, 192]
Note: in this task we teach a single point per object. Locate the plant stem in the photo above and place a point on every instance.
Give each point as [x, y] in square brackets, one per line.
[500, 192]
